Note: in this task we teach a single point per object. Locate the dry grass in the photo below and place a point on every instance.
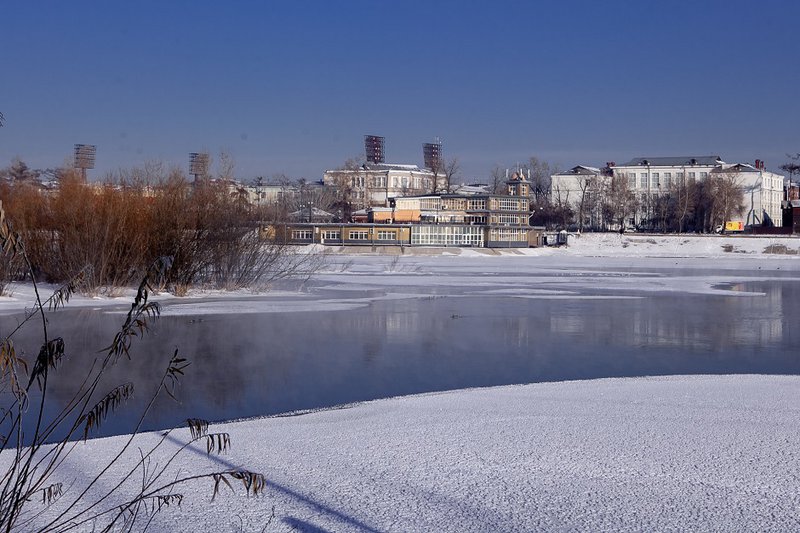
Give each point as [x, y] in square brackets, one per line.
[113, 232]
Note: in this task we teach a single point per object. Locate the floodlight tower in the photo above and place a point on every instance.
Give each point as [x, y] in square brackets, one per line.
[432, 155]
[198, 164]
[85, 157]
[375, 148]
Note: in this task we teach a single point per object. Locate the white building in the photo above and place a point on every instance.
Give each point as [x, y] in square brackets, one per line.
[763, 193]
[372, 184]
[580, 186]
[651, 177]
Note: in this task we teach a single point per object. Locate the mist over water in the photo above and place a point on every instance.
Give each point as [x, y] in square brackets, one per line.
[437, 337]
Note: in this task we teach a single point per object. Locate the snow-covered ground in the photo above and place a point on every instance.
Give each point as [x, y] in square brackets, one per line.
[351, 268]
[714, 453]
[710, 453]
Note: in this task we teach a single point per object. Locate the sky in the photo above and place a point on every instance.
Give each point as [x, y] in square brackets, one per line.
[292, 87]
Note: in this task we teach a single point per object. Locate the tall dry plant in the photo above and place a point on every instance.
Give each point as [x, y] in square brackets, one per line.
[35, 495]
[112, 232]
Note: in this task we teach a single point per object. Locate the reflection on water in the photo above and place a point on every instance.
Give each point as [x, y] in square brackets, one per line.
[258, 364]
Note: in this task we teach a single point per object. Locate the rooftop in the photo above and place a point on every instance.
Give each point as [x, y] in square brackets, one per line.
[680, 161]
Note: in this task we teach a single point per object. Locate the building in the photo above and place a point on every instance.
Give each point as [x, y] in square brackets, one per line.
[651, 180]
[373, 184]
[518, 185]
[763, 192]
[490, 221]
[579, 189]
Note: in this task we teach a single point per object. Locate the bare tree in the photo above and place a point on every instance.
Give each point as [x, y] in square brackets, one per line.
[562, 209]
[496, 180]
[539, 172]
[680, 191]
[728, 198]
[451, 168]
[792, 167]
[2, 119]
[619, 201]
[226, 166]
[587, 187]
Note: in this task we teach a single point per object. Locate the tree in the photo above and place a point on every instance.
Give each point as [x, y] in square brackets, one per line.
[497, 180]
[451, 168]
[619, 201]
[728, 198]
[538, 172]
[792, 167]
[2, 119]
[19, 171]
[683, 199]
[587, 202]
[562, 210]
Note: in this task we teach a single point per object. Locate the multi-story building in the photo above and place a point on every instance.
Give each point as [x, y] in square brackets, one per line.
[650, 179]
[433, 220]
[373, 184]
[579, 188]
[763, 192]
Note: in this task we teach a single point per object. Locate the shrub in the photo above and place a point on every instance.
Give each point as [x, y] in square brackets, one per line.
[111, 232]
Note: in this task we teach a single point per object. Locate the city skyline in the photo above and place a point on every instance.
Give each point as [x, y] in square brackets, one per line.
[292, 89]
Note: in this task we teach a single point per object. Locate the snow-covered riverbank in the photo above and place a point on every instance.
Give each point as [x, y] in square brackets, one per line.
[675, 453]
[702, 453]
[388, 267]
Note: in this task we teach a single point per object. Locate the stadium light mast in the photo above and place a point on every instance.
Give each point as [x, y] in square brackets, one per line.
[85, 157]
[198, 164]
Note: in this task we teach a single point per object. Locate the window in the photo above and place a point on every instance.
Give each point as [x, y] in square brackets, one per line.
[509, 204]
[447, 235]
[668, 175]
[667, 181]
[387, 235]
[656, 181]
[643, 181]
[359, 235]
[703, 175]
[474, 205]
[332, 234]
[632, 181]
[302, 234]
[507, 219]
[691, 175]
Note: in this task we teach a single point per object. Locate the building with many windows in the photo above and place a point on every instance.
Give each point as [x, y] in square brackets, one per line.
[373, 184]
[650, 180]
[491, 221]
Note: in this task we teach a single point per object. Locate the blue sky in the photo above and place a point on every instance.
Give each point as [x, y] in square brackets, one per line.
[292, 87]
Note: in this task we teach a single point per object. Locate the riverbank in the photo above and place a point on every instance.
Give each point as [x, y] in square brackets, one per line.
[391, 268]
[607, 245]
[669, 453]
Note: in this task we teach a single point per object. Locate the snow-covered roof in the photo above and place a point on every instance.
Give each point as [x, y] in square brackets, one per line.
[738, 167]
[314, 212]
[580, 169]
[390, 166]
[678, 161]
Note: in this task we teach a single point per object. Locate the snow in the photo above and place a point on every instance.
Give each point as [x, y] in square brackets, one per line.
[420, 266]
[670, 453]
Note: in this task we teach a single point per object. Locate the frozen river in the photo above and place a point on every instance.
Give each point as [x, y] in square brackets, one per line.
[374, 327]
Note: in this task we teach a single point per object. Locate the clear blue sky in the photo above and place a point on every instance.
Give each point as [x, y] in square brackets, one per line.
[292, 87]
